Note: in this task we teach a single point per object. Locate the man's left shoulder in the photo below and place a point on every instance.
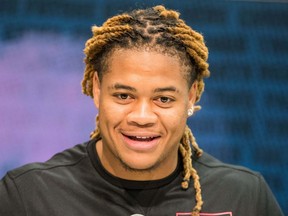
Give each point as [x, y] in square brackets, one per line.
[209, 167]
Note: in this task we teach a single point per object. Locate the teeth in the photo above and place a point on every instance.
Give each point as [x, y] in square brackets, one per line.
[142, 138]
[138, 137]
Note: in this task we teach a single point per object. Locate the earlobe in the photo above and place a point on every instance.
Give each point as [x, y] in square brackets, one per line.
[96, 89]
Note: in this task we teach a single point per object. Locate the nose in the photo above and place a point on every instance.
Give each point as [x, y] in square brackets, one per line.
[142, 114]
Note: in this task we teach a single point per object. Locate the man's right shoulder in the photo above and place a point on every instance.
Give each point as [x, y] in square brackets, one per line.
[68, 157]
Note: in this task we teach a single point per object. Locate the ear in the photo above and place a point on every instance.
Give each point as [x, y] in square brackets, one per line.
[192, 94]
[96, 89]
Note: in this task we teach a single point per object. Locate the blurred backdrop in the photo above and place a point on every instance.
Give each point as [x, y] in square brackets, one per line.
[244, 116]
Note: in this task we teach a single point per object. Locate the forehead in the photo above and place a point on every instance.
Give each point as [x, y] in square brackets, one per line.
[154, 55]
[144, 54]
[144, 66]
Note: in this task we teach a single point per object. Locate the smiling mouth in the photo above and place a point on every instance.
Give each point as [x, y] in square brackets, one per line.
[141, 139]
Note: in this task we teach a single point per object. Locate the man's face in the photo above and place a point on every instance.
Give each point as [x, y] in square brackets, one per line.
[143, 100]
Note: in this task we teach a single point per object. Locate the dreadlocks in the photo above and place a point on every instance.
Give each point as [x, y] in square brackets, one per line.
[163, 29]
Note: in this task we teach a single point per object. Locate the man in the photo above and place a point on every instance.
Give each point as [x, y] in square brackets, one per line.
[144, 71]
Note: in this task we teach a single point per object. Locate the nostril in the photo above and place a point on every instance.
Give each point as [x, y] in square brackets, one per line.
[142, 117]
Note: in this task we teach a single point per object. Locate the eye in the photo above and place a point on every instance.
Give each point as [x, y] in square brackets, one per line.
[165, 99]
[123, 96]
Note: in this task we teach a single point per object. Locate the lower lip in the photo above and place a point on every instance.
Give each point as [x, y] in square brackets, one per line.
[141, 146]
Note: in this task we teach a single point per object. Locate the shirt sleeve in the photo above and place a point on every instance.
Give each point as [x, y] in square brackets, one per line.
[267, 204]
[10, 201]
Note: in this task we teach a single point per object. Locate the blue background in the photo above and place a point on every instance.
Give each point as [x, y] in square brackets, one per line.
[244, 118]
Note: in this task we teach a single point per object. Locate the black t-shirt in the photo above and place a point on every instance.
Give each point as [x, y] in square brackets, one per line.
[74, 182]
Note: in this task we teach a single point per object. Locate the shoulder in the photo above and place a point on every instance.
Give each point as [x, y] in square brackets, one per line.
[68, 158]
[237, 188]
[212, 169]
[26, 188]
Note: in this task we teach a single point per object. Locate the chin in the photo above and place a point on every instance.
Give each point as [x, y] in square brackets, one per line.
[139, 164]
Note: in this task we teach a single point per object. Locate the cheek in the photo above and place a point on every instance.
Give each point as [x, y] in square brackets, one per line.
[110, 113]
[174, 119]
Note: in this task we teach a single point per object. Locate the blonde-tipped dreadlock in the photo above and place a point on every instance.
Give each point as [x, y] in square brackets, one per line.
[163, 29]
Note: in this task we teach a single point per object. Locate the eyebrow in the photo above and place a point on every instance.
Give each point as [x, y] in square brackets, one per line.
[121, 86]
[169, 88]
[118, 86]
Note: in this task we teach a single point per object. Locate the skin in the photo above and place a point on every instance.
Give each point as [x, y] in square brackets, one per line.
[142, 100]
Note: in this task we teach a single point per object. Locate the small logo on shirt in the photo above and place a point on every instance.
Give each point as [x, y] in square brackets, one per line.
[206, 214]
